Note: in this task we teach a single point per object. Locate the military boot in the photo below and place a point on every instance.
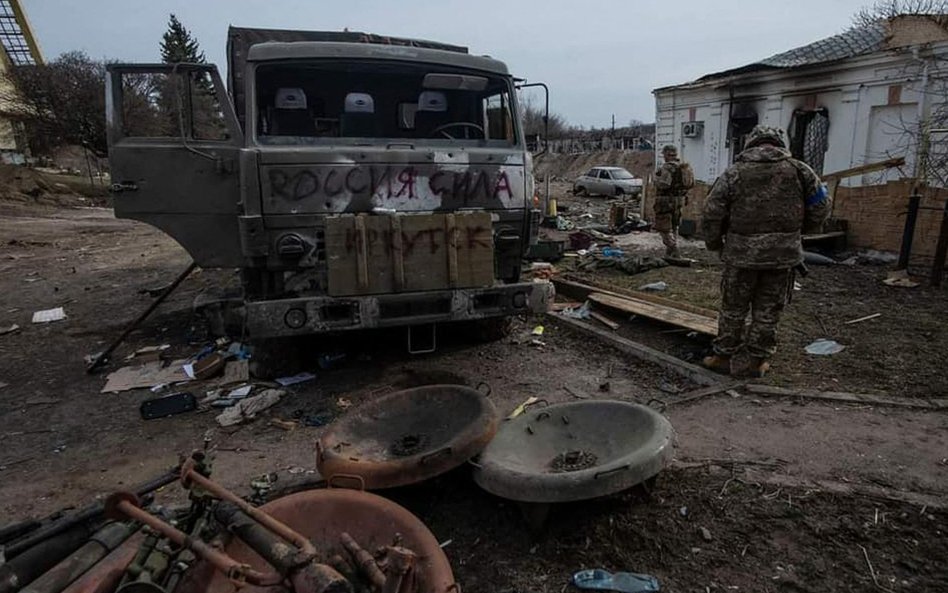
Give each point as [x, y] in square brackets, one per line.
[717, 363]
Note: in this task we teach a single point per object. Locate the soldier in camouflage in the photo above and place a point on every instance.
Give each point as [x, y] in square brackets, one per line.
[670, 194]
[754, 216]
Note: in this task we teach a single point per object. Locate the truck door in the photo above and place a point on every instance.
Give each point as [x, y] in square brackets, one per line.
[173, 154]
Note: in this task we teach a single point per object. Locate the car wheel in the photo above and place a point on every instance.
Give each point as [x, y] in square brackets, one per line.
[619, 192]
[579, 190]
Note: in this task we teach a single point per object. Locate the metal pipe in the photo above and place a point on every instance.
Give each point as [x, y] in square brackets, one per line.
[363, 560]
[99, 545]
[306, 575]
[104, 577]
[104, 355]
[189, 475]
[124, 503]
[90, 512]
[28, 565]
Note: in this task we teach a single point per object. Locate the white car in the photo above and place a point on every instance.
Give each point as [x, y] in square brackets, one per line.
[607, 181]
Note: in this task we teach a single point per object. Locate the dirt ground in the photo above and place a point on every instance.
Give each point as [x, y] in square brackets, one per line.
[791, 495]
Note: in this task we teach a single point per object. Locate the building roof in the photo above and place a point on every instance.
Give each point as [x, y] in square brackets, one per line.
[16, 36]
[882, 35]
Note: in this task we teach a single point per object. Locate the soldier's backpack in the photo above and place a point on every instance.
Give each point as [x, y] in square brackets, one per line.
[686, 177]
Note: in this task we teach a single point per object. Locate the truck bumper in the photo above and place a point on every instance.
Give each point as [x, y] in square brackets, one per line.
[310, 315]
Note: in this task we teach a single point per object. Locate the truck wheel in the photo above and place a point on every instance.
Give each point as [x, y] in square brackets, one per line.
[493, 329]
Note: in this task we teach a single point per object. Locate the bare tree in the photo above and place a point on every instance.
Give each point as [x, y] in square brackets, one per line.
[886, 9]
[58, 103]
[533, 120]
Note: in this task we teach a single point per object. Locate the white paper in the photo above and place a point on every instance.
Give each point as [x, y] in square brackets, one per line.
[298, 378]
[48, 315]
[240, 391]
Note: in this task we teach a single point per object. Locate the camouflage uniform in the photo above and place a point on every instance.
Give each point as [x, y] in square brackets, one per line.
[755, 215]
[670, 194]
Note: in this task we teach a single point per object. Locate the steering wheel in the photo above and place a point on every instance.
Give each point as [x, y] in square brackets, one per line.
[458, 124]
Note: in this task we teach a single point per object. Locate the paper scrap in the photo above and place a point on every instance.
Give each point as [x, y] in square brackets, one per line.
[247, 409]
[146, 375]
[240, 392]
[9, 329]
[49, 315]
[297, 378]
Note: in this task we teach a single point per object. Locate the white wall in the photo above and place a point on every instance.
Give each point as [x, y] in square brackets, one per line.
[864, 127]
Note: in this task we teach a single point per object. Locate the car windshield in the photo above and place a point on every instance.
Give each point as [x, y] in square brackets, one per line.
[349, 101]
[621, 174]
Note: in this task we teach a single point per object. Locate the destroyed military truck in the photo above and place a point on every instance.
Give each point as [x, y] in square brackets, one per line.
[356, 181]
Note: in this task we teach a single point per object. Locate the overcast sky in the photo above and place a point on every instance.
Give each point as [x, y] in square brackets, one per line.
[599, 57]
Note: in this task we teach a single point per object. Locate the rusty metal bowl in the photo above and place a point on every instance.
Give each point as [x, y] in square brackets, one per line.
[406, 437]
[575, 451]
[322, 516]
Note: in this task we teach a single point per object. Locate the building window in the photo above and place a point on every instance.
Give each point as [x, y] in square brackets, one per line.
[808, 133]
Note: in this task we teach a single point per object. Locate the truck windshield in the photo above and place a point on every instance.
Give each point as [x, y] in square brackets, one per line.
[350, 102]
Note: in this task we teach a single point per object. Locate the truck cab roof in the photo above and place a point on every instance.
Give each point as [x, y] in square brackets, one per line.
[293, 50]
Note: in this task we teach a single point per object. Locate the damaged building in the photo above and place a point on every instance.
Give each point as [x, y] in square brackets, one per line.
[853, 105]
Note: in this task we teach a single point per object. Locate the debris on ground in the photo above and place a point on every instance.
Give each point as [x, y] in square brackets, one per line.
[287, 425]
[145, 375]
[900, 278]
[49, 315]
[659, 286]
[316, 419]
[824, 347]
[631, 264]
[247, 409]
[523, 407]
[168, 405]
[147, 353]
[861, 319]
[818, 259]
[580, 312]
[542, 270]
[9, 329]
[294, 379]
[537, 331]
[598, 579]
[205, 367]
[604, 320]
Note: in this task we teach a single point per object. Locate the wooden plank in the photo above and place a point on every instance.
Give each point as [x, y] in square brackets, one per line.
[822, 236]
[686, 319]
[704, 392]
[604, 320]
[867, 168]
[580, 291]
[842, 396]
[690, 371]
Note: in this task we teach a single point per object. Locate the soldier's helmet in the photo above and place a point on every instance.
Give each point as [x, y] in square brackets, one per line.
[670, 150]
[765, 134]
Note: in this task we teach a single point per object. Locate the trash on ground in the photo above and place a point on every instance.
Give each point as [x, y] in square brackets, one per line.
[247, 409]
[145, 375]
[49, 315]
[9, 329]
[598, 579]
[243, 391]
[235, 371]
[287, 425]
[797, 285]
[343, 404]
[580, 312]
[297, 378]
[824, 347]
[659, 286]
[706, 534]
[630, 264]
[861, 319]
[206, 367]
[818, 259]
[148, 353]
[330, 360]
[537, 331]
[612, 252]
[238, 350]
[669, 388]
[168, 405]
[604, 320]
[900, 278]
[523, 407]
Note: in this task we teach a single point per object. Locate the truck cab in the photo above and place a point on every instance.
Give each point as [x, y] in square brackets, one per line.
[356, 182]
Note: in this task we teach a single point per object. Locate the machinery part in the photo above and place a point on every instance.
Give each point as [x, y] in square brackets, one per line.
[90, 512]
[104, 577]
[363, 561]
[99, 545]
[300, 568]
[559, 453]
[103, 356]
[125, 504]
[408, 436]
[372, 521]
[30, 564]
[190, 476]
[19, 529]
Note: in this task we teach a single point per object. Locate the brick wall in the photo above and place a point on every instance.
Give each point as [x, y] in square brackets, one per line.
[875, 215]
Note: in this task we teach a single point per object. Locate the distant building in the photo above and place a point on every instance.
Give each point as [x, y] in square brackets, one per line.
[847, 100]
[19, 48]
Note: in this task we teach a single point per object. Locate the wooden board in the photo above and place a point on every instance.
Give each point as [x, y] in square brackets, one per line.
[408, 252]
[674, 316]
[579, 291]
